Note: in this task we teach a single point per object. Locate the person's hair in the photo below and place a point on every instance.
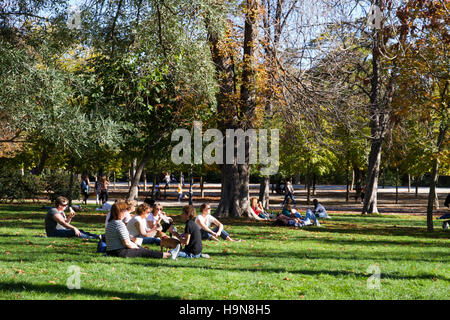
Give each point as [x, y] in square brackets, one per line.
[103, 178]
[142, 208]
[189, 210]
[253, 200]
[315, 201]
[288, 205]
[150, 202]
[203, 206]
[131, 203]
[116, 209]
[61, 201]
[156, 205]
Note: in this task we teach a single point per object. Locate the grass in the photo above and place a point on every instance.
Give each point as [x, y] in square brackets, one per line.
[273, 262]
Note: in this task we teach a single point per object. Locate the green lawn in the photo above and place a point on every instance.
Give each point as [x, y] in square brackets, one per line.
[330, 262]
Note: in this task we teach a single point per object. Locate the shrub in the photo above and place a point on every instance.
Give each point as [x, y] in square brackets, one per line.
[57, 183]
[15, 186]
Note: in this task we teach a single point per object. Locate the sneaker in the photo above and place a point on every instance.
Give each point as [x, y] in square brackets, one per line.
[205, 255]
[174, 252]
[317, 223]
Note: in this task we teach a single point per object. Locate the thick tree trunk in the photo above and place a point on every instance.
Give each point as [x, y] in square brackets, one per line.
[42, 162]
[370, 195]
[432, 195]
[133, 190]
[264, 192]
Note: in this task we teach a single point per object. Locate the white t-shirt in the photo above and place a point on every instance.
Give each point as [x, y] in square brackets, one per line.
[125, 219]
[206, 221]
[133, 225]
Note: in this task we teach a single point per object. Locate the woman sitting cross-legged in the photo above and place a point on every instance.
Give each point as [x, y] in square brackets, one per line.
[137, 226]
[58, 225]
[191, 238]
[205, 220]
[118, 242]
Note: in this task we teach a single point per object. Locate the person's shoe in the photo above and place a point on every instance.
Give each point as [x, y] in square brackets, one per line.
[174, 252]
[205, 255]
[317, 223]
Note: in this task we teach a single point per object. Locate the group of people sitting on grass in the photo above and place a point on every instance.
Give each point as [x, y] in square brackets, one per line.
[125, 232]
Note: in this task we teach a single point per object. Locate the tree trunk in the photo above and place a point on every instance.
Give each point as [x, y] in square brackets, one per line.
[370, 194]
[234, 200]
[133, 190]
[42, 162]
[417, 187]
[145, 180]
[358, 180]
[347, 193]
[396, 185]
[409, 183]
[432, 195]
[114, 181]
[71, 183]
[202, 192]
[264, 192]
[314, 184]
[353, 180]
[308, 186]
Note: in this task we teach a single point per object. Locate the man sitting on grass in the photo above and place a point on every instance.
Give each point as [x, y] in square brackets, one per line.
[58, 225]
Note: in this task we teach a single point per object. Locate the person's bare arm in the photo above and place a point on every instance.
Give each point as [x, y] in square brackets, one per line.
[129, 244]
[220, 225]
[59, 219]
[204, 227]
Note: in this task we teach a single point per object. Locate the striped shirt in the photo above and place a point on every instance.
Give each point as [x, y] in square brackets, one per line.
[116, 231]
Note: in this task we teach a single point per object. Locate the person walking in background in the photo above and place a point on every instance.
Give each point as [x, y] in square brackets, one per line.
[180, 192]
[85, 188]
[104, 183]
[97, 190]
[289, 192]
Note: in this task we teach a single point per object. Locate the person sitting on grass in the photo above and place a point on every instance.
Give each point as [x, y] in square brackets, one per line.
[205, 220]
[137, 226]
[191, 238]
[118, 242]
[259, 210]
[158, 220]
[56, 216]
[131, 206]
[319, 210]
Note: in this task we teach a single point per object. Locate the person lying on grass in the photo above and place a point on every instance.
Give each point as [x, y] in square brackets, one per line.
[131, 206]
[158, 220]
[137, 227]
[58, 225]
[118, 242]
[191, 238]
[289, 213]
[204, 220]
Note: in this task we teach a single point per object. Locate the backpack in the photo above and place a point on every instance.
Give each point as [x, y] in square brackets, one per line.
[101, 246]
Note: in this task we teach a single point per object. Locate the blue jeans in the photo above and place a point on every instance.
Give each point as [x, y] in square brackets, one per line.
[310, 216]
[207, 235]
[183, 254]
[289, 195]
[151, 240]
[68, 233]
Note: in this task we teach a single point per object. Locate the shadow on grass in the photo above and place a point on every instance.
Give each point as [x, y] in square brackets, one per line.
[318, 272]
[17, 287]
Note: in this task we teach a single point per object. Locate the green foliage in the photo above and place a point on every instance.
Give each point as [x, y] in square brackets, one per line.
[57, 183]
[15, 186]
